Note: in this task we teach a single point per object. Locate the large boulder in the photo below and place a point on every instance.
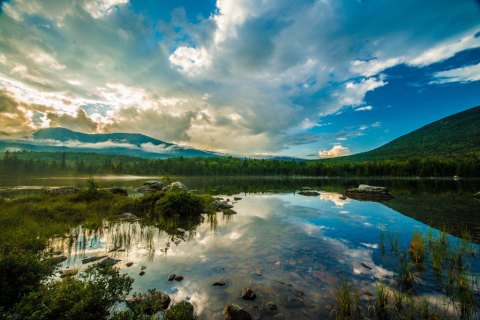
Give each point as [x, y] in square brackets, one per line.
[176, 186]
[369, 193]
[151, 186]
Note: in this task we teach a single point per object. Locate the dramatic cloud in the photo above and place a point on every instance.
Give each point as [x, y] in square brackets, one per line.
[465, 74]
[336, 151]
[250, 77]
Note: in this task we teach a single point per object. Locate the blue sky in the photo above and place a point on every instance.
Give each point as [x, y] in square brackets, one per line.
[310, 78]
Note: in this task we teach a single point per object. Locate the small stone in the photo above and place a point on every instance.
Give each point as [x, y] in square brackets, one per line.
[143, 268]
[129, 264]
[141, 273]
[171, 277]
[271, 306]
[178, 277]
[248, 294]
[220, 282]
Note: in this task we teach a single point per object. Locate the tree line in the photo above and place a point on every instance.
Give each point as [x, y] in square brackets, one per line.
[27, 163]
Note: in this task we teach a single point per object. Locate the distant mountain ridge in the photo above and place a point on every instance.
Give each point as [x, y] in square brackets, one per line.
[452, 135]
[130, 144]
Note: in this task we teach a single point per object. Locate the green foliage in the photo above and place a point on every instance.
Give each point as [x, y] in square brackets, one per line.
[89, 297]
[149, 302]
[347, 303]
[182, 203]
[181, 311]
[20, 272]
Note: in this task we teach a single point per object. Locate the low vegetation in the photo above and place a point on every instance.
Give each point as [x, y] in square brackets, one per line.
[408, 296]
[27, 288]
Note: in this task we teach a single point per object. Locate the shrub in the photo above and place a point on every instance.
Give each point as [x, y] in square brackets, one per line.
[181, 311]
[182, 203]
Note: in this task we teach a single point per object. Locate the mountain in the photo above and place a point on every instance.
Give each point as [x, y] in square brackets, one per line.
[454, 135]
[130, 144]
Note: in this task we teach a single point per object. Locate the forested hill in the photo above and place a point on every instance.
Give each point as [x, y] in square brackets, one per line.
[454, 135]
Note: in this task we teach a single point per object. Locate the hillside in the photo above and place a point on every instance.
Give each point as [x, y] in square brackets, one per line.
[130, 144]
[454, 135]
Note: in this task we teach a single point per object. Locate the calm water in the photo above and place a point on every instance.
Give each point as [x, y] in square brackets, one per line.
[290, 249]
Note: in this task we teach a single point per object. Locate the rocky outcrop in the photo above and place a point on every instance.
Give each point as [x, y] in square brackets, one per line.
[176, 186]
[151, 186]
[369, 193]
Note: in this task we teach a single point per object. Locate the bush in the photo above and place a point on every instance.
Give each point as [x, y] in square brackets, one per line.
[181, 311]
[88, 297]
[182, 203]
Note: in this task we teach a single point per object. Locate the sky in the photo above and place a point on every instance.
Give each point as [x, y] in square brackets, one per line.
[305, 78]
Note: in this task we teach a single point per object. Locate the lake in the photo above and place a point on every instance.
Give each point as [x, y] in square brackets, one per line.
[290, 249]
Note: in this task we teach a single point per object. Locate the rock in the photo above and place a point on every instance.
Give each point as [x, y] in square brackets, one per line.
[248, 294]
[477, 195]
[119, 191]
[92, 259]
[235, 312]
[171, 277]
[366, 192]
[254, 311]
[68, 272]
[178, 277]
[143, 268]
[220, 283]
[62, 190]
[141, 273]
[309, 193]
[342, 197]
[58, 259]
[271, 306]
[151, 186]
[151, 301]
[221, 205]
[109, 262]
[175, 186]
[229, 211]
[127, 216]
[237, 198]
[129, 264]
[181, 230]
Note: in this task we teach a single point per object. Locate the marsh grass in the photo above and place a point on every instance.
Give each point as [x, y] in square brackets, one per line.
[450, 260]
[347, 303]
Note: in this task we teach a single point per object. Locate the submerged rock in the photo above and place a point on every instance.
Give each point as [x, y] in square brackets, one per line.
[309, 193]
[229, 211]
[221, 205]
[248, 294]
[151, 301]
[129, 264]
[236, 312]
[220, 283]
[58, 259]
[68, 272]
[92, 259]
[366, 192]
[171, 277]
[109, 262]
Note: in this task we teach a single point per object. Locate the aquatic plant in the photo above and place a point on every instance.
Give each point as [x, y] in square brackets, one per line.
[345, 303]
[381, 302]
[417, 248]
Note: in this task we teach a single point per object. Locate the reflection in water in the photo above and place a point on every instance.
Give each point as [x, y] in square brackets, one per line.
[289, 249]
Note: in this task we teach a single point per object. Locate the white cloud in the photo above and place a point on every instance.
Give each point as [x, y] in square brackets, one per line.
[464, 74]
[336, 151]
[366, 108]
[190, 60]
[101, 8]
